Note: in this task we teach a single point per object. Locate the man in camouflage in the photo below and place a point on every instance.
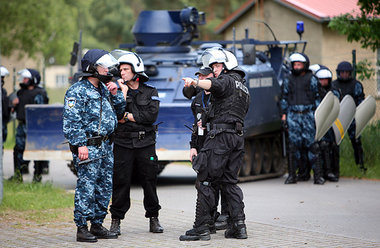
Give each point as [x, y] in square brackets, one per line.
[91, 110]
[299, 99]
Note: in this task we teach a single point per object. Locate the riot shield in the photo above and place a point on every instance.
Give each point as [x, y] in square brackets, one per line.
[345, 117]
[364, 112]
[326, 114]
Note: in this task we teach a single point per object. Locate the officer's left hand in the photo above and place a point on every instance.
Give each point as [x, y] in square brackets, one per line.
[112, 87]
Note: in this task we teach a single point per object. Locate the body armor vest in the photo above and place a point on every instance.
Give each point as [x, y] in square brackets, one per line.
[236, 104]
[346, 87]
[300, 90]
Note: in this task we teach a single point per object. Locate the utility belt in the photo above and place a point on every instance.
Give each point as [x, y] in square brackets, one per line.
[237, 126]
[138, 134]
[301, 112]
[94, 141]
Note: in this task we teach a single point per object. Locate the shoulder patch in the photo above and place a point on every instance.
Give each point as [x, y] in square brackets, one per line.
[71, 102]
[155, 98]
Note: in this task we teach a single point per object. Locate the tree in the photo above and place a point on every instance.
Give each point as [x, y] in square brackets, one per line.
[363, 28]
[38, 26]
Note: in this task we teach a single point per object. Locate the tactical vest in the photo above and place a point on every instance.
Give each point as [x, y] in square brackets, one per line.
[235, 104]
[345, 87]
[300, 90]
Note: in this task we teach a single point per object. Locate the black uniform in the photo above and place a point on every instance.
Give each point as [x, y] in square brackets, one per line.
[37, 95]
[355, 89]
[201, 107]
[222, 154]
[134, 149]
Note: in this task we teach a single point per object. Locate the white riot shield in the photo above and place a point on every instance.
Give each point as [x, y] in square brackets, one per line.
[326, 114]
[364, 112]
[345, 117]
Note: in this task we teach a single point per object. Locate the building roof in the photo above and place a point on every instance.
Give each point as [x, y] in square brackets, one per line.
[318, 10]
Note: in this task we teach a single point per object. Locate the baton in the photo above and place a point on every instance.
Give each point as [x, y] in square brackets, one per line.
[89, 160]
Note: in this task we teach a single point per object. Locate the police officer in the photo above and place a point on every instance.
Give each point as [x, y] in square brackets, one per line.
[299, 99]
[347, 85]
[200, 107]
[30, 93]
[223, 150]
[135, 141]
[6, 109]
[92, 106]
[328, 146]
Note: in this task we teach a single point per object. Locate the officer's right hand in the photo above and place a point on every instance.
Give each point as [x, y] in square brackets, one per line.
[193, 153]
[82, 153]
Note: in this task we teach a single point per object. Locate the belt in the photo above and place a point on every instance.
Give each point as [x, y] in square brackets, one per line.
[223, 126]
[302, 112]
[97, 140]
[138, 134]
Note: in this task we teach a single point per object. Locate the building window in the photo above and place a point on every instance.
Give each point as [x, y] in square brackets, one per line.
[61, 80]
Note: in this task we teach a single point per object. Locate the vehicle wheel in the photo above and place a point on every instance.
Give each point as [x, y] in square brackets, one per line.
[266, 154]
[246, 168]
[257, 158]
[277, 156]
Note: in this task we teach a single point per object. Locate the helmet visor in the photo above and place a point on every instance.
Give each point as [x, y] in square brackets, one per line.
[107, 61]
[24, 74]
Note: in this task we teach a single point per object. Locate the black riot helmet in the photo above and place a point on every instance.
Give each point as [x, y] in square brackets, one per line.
[344, 66]
[97, 57]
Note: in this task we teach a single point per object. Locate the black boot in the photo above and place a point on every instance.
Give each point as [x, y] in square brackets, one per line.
[83, 235]
[115, 226]
[221, 222]
[326, 153]
[316, 165]
[358, 152]
[200, 233]
[236, 230]
[292, 178]
[154, 225]
[101, 232]
[335, 163]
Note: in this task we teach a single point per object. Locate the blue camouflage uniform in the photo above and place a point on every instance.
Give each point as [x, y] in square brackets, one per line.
[81, 120]
[300, 98]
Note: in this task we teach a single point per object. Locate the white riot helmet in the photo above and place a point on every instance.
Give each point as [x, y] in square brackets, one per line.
[136, 63]
[323, 73]
[4, 72]
[219, 55]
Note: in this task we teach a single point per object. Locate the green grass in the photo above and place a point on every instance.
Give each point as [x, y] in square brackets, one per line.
[371, 143]
[35, 202]
[34, 196]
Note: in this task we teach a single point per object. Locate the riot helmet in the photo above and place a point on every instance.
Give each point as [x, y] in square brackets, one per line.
[4, 72]
[33, 76]
[324, 73]
[136, 64]
[97, 57]
[344, 66]
[299, 57]
[219, 55]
